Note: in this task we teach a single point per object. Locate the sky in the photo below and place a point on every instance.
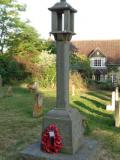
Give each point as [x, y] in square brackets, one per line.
[95, 19]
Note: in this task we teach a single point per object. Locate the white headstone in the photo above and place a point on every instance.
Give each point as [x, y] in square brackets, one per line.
[117, 94]
[110, 107]
[113, 101]
[73, 89]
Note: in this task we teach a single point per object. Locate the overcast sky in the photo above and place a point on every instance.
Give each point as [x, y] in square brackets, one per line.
[95, 19]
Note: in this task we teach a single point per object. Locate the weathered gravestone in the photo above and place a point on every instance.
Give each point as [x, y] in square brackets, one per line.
[117, 93]
[73, 89]
[113, 101]
[117, 109]
[9, 91]
[34, 87]
[38, 106]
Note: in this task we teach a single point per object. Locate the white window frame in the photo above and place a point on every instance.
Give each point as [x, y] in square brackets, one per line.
[97, 62]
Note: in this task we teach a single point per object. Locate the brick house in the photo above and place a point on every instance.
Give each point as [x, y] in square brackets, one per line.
[104, 56]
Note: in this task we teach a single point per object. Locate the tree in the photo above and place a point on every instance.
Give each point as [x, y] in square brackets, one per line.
[81, 64]
[49, 46]
[9, 21]
[26, 41]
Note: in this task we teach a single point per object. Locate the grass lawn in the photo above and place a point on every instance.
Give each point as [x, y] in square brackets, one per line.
[18, 128]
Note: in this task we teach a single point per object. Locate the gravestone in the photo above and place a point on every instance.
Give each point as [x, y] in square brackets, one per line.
[34, 87]
[38, 106]
[117, 114]
[117, 108]
[113, 101]
[111, 107]
[9, 91]
[73, 89]
[117, 93]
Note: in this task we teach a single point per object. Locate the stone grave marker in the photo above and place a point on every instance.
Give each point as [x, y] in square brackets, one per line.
[110, 107]
[113, 101]
[117, 109]
[117, 93]
[73, 89]
[9, 91]
[38, 106]
[117, 114]
[34, 87]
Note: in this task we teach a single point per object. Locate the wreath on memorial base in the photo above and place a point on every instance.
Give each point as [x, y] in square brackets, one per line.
[51, 144]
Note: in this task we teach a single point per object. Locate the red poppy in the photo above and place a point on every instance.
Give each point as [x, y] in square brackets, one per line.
[46, 141]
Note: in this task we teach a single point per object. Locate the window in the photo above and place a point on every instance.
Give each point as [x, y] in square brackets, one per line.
[97, 62]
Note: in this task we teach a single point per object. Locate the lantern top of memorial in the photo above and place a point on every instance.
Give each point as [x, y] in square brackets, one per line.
[62, 5]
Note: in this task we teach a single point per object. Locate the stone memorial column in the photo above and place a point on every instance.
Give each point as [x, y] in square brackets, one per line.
[69, 121]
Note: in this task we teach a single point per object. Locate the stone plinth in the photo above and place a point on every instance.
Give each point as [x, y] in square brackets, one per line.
[69, 122]
[90, 150]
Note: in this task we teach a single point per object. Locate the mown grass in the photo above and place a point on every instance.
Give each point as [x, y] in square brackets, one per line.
[18, 128]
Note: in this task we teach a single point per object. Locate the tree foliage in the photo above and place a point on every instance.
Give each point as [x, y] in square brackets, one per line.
[9, 21]
[10, 69]
[49, 46]
[80, 63]
[25, 41]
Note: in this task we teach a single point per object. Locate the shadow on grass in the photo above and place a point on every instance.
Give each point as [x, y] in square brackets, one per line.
[82, 105]
[95, 102]
[100, 95]
[95, 118]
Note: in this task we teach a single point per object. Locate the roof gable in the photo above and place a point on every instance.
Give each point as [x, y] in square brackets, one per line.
[110, 48]
[96, 53]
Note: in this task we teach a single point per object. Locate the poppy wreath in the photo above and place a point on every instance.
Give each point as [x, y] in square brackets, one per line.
[46, 144]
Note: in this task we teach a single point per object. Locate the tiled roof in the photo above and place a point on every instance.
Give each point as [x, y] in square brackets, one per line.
[110, 48]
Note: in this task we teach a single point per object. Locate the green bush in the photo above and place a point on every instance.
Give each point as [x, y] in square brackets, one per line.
[43, 69]
[105, 85]
[48, 76]
[10, 70]
[80, 63]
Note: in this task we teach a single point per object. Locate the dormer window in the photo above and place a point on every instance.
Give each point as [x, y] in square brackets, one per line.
[97, 61]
